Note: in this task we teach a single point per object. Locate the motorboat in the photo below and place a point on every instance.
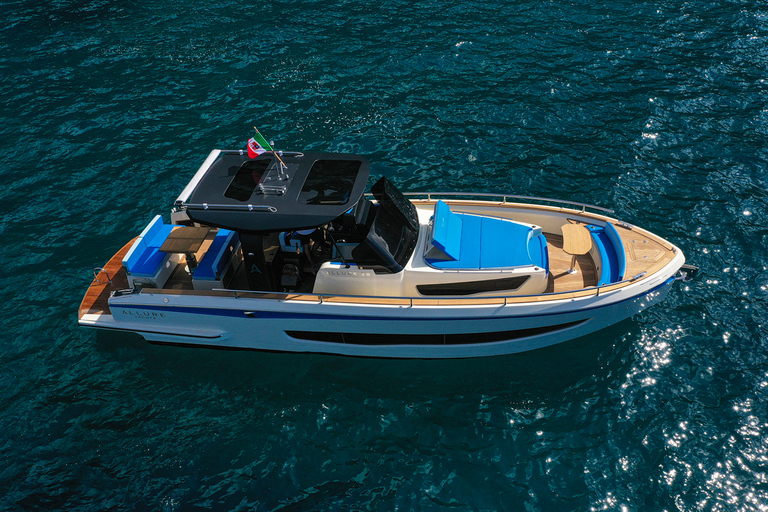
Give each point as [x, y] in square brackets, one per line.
[288, 252]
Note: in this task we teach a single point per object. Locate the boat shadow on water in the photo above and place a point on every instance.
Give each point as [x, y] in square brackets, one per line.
[601, 356]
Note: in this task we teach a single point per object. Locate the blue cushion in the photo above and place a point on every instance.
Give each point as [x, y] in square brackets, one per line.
[612, 270]
[470, 242]
[447, 231]
[487, 242]
[217, 256]
[160, 236]
[155, 231]
[469, 248]
[148, 262]
[618, 246]
[504, 243]
[133, 255]
[144, 258]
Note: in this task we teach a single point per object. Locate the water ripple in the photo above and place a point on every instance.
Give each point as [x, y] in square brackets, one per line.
[655, 109]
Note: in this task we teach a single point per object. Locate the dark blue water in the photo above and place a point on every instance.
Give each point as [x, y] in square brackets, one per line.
[657, 109]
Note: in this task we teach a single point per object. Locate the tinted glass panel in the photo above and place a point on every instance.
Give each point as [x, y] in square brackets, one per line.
[427, 339]
[247, 178]
[329, 182]
[470, 287]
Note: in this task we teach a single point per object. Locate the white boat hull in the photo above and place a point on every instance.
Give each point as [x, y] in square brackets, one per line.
[438, 276]
[381, 330]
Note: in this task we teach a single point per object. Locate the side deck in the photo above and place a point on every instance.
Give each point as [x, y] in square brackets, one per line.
[644, 254]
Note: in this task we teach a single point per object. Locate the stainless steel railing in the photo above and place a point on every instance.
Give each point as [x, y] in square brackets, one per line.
[505, 197]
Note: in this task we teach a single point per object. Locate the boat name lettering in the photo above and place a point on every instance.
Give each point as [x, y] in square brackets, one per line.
[143, 314]
[345, 272]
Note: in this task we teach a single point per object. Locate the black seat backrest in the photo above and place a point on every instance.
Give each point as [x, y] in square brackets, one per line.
[362, 212]
[359, 218]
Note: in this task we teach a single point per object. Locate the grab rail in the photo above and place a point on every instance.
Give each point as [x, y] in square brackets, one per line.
[229, 207]
[504, 197]
[97, 271]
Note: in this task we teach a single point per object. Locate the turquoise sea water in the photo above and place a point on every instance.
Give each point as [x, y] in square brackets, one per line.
[656, 109]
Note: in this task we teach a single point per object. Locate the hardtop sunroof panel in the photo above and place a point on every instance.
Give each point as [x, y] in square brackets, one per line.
[247, 179]
[253, 195]
[329, 182]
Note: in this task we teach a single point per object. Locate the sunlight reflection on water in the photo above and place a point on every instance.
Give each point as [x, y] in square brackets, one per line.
[656, 110]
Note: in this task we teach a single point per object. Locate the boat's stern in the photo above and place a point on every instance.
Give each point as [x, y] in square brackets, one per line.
[94, 308]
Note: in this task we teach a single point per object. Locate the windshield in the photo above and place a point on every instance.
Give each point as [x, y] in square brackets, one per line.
[394, 232]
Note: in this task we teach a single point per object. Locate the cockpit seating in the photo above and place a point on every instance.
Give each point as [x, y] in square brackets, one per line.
[608, 253]
[219, 263]
[144, 262]
[356, 221]
[469, 241]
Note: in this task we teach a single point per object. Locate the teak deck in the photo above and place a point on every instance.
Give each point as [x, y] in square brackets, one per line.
[559, 263]
[97, 297]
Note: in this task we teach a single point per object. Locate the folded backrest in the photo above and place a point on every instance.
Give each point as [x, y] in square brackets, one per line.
[152, 230]
[446, 231]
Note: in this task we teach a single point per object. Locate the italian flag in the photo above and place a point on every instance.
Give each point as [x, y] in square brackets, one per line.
[258, 145]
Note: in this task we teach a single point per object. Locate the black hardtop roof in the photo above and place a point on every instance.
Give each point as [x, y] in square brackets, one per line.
[259, 195]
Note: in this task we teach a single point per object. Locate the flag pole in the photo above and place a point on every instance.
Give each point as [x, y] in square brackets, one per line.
[272, 149]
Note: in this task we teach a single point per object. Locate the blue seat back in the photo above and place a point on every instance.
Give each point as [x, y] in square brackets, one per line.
[217, 257]
[608, 244]
[446, 232]
[144, 258]
[618, 246]
[131, 260]
[156, 232]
